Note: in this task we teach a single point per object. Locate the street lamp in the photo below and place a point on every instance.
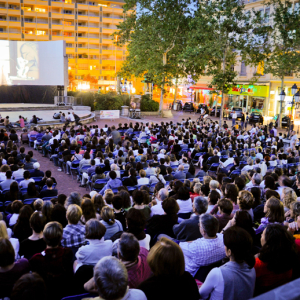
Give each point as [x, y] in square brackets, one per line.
[282, 96]
[296, 97]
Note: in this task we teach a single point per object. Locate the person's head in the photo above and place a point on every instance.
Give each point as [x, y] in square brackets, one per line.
[225, 206]
[136, 222]
[231, 192]
[30, 286]
[166, 258]
[3, 230]
[138, 197]
[200, 205]
[74, 198]
[94, 230]
[278, 248]
[7, 253]
[170, 206]
[128, 248]
[209, 225]
[183, 193]
[112, 175]
[256, 179]
[162, 194]
[88, 209]
[271, 193]
[213, 197]
[269, 182]
[117, 202]
[243, 219]
[238, 245]
[111, 278]
[16, 206]
[240, 182]
[53, 234]
[214, 184]
[37, 222]
[107, 215]
[74, 213]
[8, 174]
[274, 210]
[197, 187]
[245, 200]
[295, 209]
[36, 166]
[288, 196]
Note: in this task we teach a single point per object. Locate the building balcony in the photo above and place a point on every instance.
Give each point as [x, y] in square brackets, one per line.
[83, 39]
[57, 15]
[15, 36]
[93, 30]
[12, 12]
[84, 28]
[4, 35]
[42, 37]
[3, 23]
[68, 16]
[42, 26]
[69, 28]
[57, 26]
[29, 14]
[82, 18]
[57, 38]
[14, 24]
[94, 19]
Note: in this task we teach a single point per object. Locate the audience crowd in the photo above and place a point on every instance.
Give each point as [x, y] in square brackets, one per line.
[169, 211]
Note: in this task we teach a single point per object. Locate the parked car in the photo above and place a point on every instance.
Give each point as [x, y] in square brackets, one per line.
[256, 117]
[285, 121]
[238, 110]
[212, 112]
[188, 106]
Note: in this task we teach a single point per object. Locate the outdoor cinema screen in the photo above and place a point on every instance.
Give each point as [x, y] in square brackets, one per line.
[31, 63]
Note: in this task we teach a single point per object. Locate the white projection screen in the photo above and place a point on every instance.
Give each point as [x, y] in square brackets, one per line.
[31, 63]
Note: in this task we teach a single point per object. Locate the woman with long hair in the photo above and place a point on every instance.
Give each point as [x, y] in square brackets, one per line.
[13, 193]
[276, 259]
[236, 279]
[88, 211]
[22, 229]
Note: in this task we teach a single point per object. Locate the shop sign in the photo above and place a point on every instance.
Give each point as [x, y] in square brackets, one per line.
[251, 90]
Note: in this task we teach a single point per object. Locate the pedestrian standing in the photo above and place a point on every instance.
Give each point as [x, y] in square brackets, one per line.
[242, 121]
[234, 116]
[247, 121]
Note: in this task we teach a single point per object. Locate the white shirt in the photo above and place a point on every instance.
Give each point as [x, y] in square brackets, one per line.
[185, 206]
[142, 181]
[157, 209]
[145, 243]
[16, 245]
[234, 115]
[71, 117]
[153, 179]
[13, 219]
[229, 161]
[92, 253]
[24, 183]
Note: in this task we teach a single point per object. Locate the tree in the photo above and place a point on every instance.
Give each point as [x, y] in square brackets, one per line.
[72, 82]
[156, 35]
[281, 52]
[222, 33]
[92, 80]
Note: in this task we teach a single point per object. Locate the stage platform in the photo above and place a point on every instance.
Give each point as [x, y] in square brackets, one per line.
[44, 111]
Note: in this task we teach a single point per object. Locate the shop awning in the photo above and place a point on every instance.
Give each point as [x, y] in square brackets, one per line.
[201, 87]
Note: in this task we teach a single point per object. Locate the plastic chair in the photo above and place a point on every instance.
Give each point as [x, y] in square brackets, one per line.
[29, 201]
[79, 297]
[48, 198]
[204, 270]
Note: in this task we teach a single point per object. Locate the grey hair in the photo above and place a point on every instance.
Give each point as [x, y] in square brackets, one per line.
[250, 161]
[163, 194]
[200, 204]
[74, 198]
[111, 278]
[181, 168]
[210, 224]
[214, 184]
[257, 178]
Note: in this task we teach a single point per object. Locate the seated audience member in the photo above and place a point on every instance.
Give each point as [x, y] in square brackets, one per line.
[55, 263]
[134, 258]
[5, 185]
[169, 280]
[245, 202]
[34, 243]
[276, 259]
[28, 164]
[13, 193]
[10, 271]
[157, 177]
[30, 286]
[188, 230]
[274, 213]
[111, 281]
[96, 249]
[15, 208]
[36, 171]
[48, 175]
[195, 191]
[235, 279]
[108, 220]
[184, 201]
[22, 229]
[157, 208]
[19, 173]
[179, 174]
[119, 212]
[50, 191]
[74, 233]
[169, 175]
[112, 183]
[163, 224]
[31, 191]
[212, 198]
[4, 234]
[143, 179]
[206, 250]
[138, 200]
[224, 213]
[58, 214]
[24, 183]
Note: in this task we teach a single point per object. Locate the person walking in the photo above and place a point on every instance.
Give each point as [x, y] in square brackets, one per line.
[242, 121]
[234, 117]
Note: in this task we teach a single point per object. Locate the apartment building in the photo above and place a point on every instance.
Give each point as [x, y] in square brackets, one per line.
[263, 96]
[85, 25]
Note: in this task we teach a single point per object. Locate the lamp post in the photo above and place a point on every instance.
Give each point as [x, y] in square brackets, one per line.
[296, 98]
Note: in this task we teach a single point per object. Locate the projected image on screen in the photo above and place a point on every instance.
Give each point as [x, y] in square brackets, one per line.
[31, 63]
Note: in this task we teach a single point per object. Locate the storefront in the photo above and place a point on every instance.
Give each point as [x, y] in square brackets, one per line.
[249, 97]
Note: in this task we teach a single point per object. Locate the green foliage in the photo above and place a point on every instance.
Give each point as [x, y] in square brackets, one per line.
[84, 98]
[148, 105]
[109, 101]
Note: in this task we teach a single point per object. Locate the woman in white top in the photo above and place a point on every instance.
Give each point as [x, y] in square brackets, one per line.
[184, 201]
[97, 247]
[15, 242]
[143, 180]
[157, 177]
[235, 279]
[161, 154]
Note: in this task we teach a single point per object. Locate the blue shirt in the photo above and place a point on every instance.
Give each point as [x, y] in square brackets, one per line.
[111, 184]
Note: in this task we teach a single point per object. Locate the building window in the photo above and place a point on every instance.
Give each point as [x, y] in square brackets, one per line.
[69, 45]
[40, 32]
[27, 20]
[69, 12]
[67, 33]
[67, 23]
[37, 9]
[13, 19]
[243, 69]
